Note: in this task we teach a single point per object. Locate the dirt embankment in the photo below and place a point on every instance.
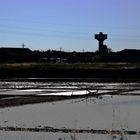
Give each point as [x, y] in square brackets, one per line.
[68, 70]
[70, 73]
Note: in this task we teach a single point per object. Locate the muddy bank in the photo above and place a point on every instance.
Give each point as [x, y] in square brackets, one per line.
[11, 101]
[67, 130]
[17, 100]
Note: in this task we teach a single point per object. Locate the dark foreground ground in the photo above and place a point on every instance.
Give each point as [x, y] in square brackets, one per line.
[72, 73]
[71, 70]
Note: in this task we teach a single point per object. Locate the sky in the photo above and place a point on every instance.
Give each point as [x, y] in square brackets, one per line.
[69, 24]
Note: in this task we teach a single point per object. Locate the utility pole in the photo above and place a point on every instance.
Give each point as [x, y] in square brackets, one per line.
[23, 45]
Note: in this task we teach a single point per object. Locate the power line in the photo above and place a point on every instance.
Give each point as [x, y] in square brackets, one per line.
[44, 32]
[58, 31]
[49, 35]
[95, 27]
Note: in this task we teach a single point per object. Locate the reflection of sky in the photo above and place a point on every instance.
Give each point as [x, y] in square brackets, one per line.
[70, 24]
[117, 112]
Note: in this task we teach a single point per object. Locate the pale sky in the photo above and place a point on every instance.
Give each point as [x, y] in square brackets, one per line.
[69, 24]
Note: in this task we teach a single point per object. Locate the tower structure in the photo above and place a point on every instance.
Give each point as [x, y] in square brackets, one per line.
[101, 37]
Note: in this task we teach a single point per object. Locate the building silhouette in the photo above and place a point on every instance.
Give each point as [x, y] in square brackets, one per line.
[102, 48]
[16, 55]
[13, 55]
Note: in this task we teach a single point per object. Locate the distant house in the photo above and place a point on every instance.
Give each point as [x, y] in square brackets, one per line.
[130, 52]
[126, 55]
[129, 55]
[16, 55]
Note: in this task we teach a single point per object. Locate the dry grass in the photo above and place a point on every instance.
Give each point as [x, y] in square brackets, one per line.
[45, 66]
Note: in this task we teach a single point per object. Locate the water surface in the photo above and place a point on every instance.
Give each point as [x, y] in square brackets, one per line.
[111, 112]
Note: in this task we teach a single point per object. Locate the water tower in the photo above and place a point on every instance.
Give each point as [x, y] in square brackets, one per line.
[101, 37]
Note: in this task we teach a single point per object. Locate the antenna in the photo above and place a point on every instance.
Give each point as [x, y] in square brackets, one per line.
[23, 45]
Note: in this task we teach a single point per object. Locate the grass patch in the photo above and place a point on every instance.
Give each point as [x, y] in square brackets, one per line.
[59, 66]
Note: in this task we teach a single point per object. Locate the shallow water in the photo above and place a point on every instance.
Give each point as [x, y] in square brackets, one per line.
[111, 112]
[58, 136]
[64, 88]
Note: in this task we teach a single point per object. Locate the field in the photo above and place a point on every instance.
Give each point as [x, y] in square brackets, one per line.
[84, 110]
[60, 101]
[70, 70]
[58, 65]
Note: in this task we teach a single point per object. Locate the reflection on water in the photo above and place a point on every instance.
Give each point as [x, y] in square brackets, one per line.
[106, 112]
[65, 88]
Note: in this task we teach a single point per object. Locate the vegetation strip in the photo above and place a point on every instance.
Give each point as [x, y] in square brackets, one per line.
[70, 70]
